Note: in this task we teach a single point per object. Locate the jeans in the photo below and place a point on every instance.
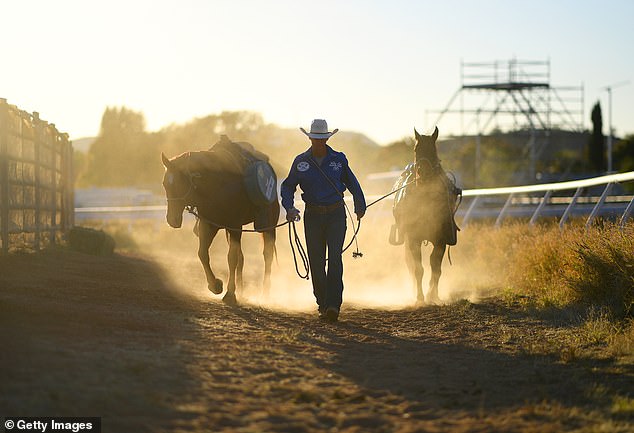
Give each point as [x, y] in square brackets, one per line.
[326, 232]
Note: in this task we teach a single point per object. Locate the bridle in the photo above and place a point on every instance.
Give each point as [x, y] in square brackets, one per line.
[192, 185]
[430, 168]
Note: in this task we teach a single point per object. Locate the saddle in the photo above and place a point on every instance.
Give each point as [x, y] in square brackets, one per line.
[260, 180]
[408, 175]
[450, 228]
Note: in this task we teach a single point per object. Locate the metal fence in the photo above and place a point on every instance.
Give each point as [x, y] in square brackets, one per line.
[589, 198]
[535, 201]
[36, 182]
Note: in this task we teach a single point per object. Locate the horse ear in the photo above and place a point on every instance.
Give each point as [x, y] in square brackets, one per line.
[435, 134]
[166, 162]
[416, 134]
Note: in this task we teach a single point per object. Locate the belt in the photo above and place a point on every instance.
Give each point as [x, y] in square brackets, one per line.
[324, 209]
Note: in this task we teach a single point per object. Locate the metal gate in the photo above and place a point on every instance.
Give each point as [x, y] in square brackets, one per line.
[36, 181]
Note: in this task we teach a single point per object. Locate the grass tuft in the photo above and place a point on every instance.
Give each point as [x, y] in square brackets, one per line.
[591, 268]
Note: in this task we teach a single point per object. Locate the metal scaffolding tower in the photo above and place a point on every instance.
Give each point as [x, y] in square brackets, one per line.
[514, 95]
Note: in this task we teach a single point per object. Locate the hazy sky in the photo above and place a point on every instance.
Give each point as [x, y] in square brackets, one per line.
[368, 66]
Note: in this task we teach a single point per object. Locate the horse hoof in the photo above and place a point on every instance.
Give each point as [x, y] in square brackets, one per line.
[433, 300]
[230, 299]
[216, 287]
[420, 301]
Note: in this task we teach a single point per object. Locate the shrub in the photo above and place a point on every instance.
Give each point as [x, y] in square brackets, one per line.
[603, 270]
[91, 241]
[593, 267]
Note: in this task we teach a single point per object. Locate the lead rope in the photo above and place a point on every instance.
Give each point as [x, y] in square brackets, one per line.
[357, 253]
[294, 239]
[300, 250]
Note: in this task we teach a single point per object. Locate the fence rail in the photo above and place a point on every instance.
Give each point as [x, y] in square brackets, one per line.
[535, 201]
[571, 203]
[36, 182]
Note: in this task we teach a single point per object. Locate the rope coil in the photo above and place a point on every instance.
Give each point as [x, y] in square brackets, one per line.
[300, 249]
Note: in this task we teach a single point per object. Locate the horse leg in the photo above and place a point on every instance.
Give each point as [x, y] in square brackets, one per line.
[269, 252]
[435, 261]
[239, 269]
[414, 260]
[234, 257]
[206, 234]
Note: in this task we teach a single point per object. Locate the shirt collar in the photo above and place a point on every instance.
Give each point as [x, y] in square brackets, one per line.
[309, 155]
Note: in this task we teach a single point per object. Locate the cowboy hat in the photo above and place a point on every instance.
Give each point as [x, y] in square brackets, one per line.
[319, 129]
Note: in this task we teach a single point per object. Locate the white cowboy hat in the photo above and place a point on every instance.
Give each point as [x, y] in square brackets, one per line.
[319, 129]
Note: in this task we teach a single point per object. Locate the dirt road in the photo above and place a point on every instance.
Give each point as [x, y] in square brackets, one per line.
[112, 337]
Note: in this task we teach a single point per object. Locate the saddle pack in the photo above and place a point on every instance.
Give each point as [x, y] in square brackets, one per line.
[260, 180]
[259, 177]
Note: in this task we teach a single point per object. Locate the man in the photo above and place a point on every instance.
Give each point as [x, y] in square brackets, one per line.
[323, 175]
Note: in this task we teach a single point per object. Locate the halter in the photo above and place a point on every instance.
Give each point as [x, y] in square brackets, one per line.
[192, 186]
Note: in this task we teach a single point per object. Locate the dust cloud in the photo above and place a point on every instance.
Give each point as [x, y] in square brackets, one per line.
[380, 279]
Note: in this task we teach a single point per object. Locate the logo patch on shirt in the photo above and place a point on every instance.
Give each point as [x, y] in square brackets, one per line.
[336, 166]
[303, 166]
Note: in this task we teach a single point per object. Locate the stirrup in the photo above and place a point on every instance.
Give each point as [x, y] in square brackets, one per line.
[395, 239]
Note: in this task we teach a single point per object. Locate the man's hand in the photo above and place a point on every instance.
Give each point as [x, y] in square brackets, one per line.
[360, 215]
[292, 215]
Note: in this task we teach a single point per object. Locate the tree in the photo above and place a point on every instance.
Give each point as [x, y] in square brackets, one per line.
[596, 154]
[624, 158]
[117, 157]
[624, 154]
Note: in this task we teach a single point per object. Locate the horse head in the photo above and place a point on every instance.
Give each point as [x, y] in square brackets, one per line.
[427, 162]
[179, 188]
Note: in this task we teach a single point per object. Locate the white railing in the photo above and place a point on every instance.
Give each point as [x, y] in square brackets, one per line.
[515, 194]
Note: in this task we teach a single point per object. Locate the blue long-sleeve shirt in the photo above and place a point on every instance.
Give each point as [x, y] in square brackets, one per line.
[316, 189]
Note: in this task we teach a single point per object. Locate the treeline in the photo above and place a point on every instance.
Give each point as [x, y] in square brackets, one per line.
[125, 154]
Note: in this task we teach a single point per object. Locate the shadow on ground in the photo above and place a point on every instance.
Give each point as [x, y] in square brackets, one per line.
[110, 337]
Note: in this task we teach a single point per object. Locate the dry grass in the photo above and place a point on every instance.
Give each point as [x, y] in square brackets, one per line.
[583, 275]
[583, 278]
[591, 268]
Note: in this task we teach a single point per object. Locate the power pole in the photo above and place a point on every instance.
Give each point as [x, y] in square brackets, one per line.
[611, 132]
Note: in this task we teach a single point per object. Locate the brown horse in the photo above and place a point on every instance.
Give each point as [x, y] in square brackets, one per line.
[424, 212]
[213, 183]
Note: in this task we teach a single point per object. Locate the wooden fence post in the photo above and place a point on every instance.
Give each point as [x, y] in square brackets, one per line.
[68, 205]
[4, 176]
[54, 208]
[37, 126]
